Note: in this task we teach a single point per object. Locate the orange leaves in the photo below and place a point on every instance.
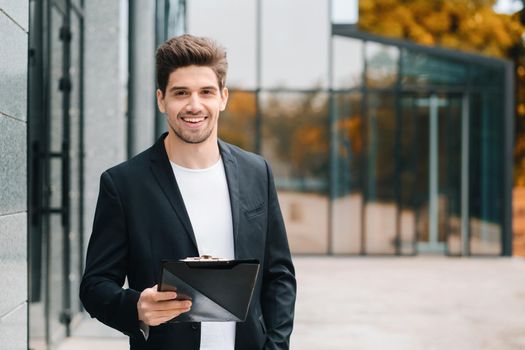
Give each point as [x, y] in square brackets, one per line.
[242, 103]
[461, 24]
[351, 127]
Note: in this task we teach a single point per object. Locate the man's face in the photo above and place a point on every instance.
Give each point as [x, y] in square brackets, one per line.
[192, 103]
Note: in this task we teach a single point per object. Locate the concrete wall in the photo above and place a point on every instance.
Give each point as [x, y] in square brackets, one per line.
[13, 173]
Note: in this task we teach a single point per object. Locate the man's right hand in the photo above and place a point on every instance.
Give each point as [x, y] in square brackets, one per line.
[156, 307]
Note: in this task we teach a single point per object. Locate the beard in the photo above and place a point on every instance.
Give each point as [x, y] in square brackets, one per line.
[189, 136]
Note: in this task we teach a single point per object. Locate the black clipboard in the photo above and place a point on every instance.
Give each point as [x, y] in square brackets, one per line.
[220, 290]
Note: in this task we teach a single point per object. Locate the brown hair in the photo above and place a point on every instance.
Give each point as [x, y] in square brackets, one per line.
[187, 50]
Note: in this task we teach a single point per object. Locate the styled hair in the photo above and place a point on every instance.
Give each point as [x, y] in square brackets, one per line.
[187, 50]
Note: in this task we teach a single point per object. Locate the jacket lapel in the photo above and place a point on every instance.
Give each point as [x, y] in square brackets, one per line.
[161, 168]
[232, 177]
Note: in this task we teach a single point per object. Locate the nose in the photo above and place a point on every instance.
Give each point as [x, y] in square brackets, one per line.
[194, 104]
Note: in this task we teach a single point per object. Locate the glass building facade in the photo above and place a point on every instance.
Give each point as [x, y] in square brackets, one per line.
[378, 146]
[55, 152]
[421, 148]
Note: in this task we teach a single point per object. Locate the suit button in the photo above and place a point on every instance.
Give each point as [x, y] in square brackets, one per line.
[194, 327]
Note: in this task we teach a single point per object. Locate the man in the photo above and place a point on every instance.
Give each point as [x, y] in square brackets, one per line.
[190, 194]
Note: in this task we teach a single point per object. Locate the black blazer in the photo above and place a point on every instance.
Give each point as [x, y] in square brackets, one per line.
[141, 218]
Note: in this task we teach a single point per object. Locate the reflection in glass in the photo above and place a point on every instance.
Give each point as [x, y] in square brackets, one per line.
[233, 25]
[55, 228]
[380, 208]
[423, 69]
[347, 196]
[75, 153]
[419, 190]
[408, 159]
[174, 23]
[450, 116]
[56, 259]
[382, 63]
[295, 36]
[486, 162]
[237, 122]
[295, 142]
[431, 199]
[348, 63]
[487, 76]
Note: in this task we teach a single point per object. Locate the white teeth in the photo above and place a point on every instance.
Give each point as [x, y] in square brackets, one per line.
[193, 120]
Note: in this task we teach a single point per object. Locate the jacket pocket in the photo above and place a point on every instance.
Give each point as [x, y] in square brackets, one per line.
[254, 211]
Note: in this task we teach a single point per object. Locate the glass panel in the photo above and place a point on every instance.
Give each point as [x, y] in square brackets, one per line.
[233, 25]
[75, 156]
[295, 36]
[347, 194]
[487, 76]
[59, 4]
[348, 63]
[55, 95]
[56, 279]
[382, 65]
[431, 173]
[423, 69]
[486, 169]
[77, 3]
[237, 122]
[36, 240]
[55, 229]
[450, 172]
[295, 142]
[175, 18]
[408, 159]
[420, 190]
[381, 208]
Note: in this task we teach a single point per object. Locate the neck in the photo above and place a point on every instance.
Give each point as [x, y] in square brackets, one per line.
[192, 156]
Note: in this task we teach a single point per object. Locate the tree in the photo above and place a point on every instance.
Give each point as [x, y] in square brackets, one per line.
[460, 24]
[468, 25]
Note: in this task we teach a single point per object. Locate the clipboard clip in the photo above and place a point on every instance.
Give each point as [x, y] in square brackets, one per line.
[203, 258]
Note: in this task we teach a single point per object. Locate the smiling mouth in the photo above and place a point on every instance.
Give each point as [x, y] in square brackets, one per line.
[193, 120]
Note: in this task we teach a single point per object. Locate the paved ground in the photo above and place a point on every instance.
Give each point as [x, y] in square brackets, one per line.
[391, 303]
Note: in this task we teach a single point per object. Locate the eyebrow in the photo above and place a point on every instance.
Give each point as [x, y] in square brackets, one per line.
[211, 87]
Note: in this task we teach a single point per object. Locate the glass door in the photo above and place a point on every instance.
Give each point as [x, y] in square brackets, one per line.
[431, 153]
[55, 137]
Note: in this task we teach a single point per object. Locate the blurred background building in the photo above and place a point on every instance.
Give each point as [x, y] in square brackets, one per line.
[382, 141]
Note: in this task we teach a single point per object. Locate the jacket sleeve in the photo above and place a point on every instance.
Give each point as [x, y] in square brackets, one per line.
[279, 285]
[107, 260]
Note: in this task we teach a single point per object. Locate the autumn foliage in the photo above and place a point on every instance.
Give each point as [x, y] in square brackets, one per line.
[460, 24]
[467, 25]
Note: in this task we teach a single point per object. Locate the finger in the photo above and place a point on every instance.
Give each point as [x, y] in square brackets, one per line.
[161, 296]
[171, 305]
[154, 294]
[166, 313]
[148, 310]
[149, 293]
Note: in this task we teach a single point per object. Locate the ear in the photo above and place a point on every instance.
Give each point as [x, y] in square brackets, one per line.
[160, 101]
[224, 98]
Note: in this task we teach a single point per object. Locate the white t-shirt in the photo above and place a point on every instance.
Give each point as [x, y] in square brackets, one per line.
[207, 200]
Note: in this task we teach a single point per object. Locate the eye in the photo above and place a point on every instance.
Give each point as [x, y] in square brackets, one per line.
[207, 92]
[180, 93]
